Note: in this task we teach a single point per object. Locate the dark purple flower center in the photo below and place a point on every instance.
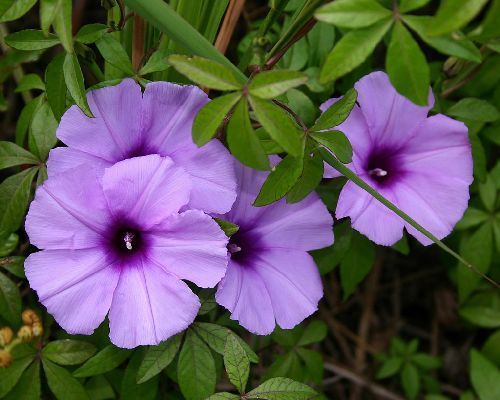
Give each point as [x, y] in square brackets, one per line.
[140, 150]
[382, 165]
[126, 240]
[243, 245]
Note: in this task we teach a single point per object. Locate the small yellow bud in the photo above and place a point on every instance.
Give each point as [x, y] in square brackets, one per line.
[30, 317]
[25, 333]
[37, 329]
[5, 336]
[5, 359]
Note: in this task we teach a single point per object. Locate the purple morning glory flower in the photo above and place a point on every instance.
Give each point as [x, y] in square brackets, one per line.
[129, 124]
[270, 277]
[117, 242]
[421, 164]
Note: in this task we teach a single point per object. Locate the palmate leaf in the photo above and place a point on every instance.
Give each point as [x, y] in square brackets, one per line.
[236, 363]
[352, 13]
[310, 178]
[10, 301]
[68, 351]
[205, 72]
[10, 376]
[106, 360]
[337, 112]
[484, 376]
[243, 141]
[113, 52]
[354, 48]
[271, 84]
[17, 10]
[196, 368]
[11, 155]
[407, 67]
[55, 86]
[62, 384]
[29, 386]
[282, 389]
[157, 358]
[336, 142]
[454, 14]
[130, 388]
[31, 39]
[74, 81]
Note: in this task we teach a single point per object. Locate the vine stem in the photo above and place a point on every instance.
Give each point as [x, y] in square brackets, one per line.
[229, 24]
[138, 42]
[349, 174]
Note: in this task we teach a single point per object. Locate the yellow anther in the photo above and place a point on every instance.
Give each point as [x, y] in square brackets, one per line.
[6, 335]
[25, 333]
[30, 317]
[5, 359]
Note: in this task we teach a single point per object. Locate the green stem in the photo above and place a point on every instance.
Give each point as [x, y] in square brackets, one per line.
[349, 174]
[161, 15]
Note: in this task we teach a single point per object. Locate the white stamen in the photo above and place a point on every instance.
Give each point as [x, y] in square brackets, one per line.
[378, 172]
[233, 248]
[128, 238]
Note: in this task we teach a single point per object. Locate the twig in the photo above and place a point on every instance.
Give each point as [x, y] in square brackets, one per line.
[361, 381]
[229, 24]
[293, 113]
[138, 42]
[299, 35]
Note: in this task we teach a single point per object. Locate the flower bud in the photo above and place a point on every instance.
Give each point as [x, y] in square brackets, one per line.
[37, 329]
[5, 336]
[30, 317]
[25, 333]
[5, 359]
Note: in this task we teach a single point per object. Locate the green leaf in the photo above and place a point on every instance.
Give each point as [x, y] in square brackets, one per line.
[310, 178]
[113, 52]
[315, 332]
[356, 264]
[475, 110]
[449, 44]
[313, 361]
[228, 227]
[302, 105]
[330, 257]
[28, 387]
[488, 193]
[279, 124]
[157, 62]
[477, 249]
[454, 14]
[352, 13]
[68, 351]
[31, 39]
[157, 358]
[389, 367]
[483, 316]
[55, 86]
[17, 10]
[91, 33]
[236, 363]
[5, 5]
[337, 143]
[130, 389]
[30, 82]
[48, 12]
[426, 361]
[216, 336]
[271, 84]
[106, 360]
[243, 141]
[43, 131]
[352, 50]
[8, 245]
[63, 25]
[205, 72]
[211, 116]
[410, 5]
[162, 16]
[10, 376]
[492, 347]
[98, 388]
[24, 120]
[11, 155]
[14, 196]
[407, 66]
[74, 81]
[280, 181]
[196, 368]
[484, 376]
[10, 300]
[472, 218]
[410, 381]
[490, 27]
[282, 389]
[402, 246]
[337, 112]
[288, 365]
[62, 384]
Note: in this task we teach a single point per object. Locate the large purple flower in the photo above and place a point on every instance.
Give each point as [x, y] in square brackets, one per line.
[271, 278]
[117, 242]
[422, 164]
[129, 124]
